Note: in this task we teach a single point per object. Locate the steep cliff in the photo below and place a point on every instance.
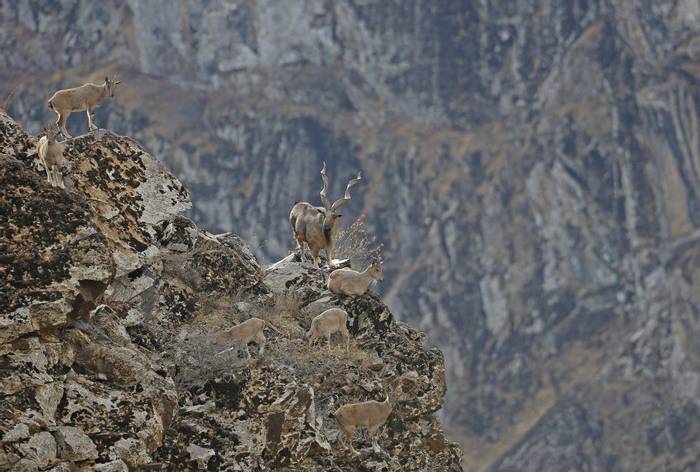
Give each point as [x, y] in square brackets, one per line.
[109, 301]
[532, 170]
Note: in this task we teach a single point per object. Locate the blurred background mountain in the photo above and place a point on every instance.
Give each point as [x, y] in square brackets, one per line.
[531, 167]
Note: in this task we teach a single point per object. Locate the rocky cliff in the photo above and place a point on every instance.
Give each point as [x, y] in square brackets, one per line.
[109, 301]
[532, 172]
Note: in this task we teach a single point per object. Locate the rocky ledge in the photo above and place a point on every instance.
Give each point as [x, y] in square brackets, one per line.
[108, 299]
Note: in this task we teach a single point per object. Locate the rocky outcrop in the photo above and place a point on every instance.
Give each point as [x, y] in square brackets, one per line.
[110, 299]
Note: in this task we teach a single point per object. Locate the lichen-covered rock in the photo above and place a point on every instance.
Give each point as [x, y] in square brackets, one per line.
[113, 466]
[40, 448]
[74, 445]
[107, 336]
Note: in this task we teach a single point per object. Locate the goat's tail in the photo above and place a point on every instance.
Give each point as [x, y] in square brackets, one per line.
[50, 104]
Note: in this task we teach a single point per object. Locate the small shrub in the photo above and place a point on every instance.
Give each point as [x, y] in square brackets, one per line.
[198, 361]
[357, 244]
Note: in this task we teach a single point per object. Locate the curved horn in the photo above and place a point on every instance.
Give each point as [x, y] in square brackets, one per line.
[324, 190]
[342, 201]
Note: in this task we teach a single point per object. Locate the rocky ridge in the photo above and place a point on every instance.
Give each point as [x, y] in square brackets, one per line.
[109, 297]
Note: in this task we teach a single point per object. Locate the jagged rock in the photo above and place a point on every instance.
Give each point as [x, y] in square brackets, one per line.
[25, 465]
[63, 467]
[48, 397]
[17, 433]
[41, 449]
[74, 445]
[306, 280]
[292, 428]
[200, 455]
[133, 452]
[14, 141]
[114, 466]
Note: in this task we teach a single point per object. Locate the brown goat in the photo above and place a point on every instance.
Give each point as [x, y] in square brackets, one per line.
[347, 281]
[85, 98]
[50, 153]
[333, 320]
[318, 226]
[370, 415]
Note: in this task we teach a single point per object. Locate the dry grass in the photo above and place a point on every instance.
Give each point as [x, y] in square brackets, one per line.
[199, 358]
[199, 361]
[357, 244]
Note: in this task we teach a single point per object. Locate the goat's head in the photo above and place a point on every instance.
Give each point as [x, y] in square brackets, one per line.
[50, 134]
[375, 270]
[330, 210]
[111, 85]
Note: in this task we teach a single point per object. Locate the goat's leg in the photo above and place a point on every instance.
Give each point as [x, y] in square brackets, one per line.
[300, 246]
[373, 433]
[328, 337]
[48, 172]
[352, 449]
[61, 123]
[375, 444]
[260, 340]
[346, 334]
[91, 125]
[329, 251]
[247, 352]
[314, 254]
[54, 176]
[347, 434]
[59, 177]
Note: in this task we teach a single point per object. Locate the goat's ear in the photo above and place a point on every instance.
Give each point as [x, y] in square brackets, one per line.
[106, 79]
[117, 82]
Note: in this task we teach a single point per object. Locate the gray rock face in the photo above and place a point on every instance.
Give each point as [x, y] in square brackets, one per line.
[532, 172]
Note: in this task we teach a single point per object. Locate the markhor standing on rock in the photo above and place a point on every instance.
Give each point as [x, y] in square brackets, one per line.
[318, 226]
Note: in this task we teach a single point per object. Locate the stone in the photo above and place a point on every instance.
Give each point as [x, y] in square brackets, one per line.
[17, 433]
[74, 445]
[48, 397]
[25, 465]
[114, 466]
[133, 452]
[200, 455]
[41, 448]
